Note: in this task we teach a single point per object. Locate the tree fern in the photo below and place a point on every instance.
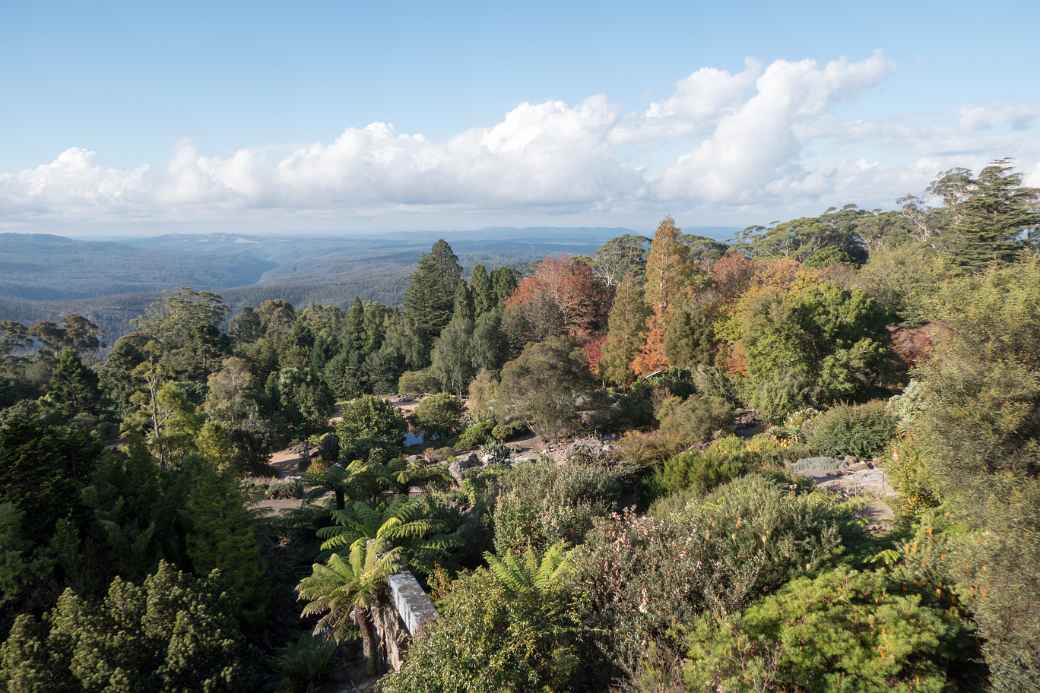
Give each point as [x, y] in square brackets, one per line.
[529, 574]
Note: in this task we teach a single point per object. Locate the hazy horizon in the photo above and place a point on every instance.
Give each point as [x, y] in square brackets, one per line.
[124, 119]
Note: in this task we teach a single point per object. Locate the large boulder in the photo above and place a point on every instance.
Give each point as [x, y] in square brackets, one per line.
[461, 465]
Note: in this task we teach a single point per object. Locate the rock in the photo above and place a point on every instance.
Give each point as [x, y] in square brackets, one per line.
[458, 468]
[817, 467]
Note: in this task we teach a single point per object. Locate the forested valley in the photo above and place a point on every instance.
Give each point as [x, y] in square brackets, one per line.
[806, 460]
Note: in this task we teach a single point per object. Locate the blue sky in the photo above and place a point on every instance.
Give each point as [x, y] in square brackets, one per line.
[138, 117]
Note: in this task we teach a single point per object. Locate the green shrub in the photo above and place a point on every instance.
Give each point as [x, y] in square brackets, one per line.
[862, 430]
[504, 431]
[693, 420]
[417, 382]
[844, 630]
[908, 472]
[647, 575]
[543, 502]
[440, 415]
[370, 423]
[487, 639]
[475, 435]
[703, 470]
[284, 489]
[305, 662]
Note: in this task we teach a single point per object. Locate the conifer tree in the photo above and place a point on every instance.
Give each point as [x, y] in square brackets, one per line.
[667, 274]
[991, 220]
[484, 298]
[73, 387]
[223, 537]
[430, 298]
[626, 331]
[452, 357]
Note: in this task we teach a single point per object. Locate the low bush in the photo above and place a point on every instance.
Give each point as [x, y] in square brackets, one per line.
[417, 382]
[703, 470]
[693, 420]
[843, 630]
[440, 415]
[284, 489]
[305, 662]
[543, 502]
[908, 472]
[860, 430]
[475, 435]
[645, 576]
[504, 431]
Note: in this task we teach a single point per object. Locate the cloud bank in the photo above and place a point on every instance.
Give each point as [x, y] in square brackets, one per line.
[765, 140]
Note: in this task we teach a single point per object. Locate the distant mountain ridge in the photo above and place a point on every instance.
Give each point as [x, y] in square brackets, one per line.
[43, 276]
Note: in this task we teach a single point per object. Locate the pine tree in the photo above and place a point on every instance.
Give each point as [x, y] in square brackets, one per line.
[992, 219]
[430, 298]
[504, 281]
[223, 536]
[626, 332]
[73, 387]
[484, 298]
[452, 356]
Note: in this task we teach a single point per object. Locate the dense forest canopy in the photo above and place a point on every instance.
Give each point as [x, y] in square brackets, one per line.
[692, 401]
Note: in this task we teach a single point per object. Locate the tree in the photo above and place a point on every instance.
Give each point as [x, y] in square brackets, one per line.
[669, 272]
[813, 344]
[187, 327]
[529, 574]
[43, 465]
[305, 401]
[222, 537]
[452, 357]
[490, 348]
[246, 327]
[440, 415]
[370, 423]
[344, 592]
[232, 402]
[504, 281]
[620, 257]
[544, 386]
[408, 524]
[668, 269]
[990, 222]
[73, 387]
[626, 332]
[978, 428]
[484, 298]
[430, 298]
[563, 287]
[171, 633]
[689, 334]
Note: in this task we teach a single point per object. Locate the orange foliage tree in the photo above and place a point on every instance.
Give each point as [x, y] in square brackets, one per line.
[568, 287]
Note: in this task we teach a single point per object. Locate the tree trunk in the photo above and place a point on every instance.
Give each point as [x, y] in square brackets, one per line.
[341, 502]
[368, 640]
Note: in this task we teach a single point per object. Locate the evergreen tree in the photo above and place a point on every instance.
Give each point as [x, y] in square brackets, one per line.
[484, 298]
[490, 346]
[452, 357]
[991, 221]
[504, 281]
[223, 537]
[74, 387]
[430, 298]
[626, 331]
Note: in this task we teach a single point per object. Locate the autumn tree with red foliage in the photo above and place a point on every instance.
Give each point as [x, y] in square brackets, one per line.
[561, 296]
